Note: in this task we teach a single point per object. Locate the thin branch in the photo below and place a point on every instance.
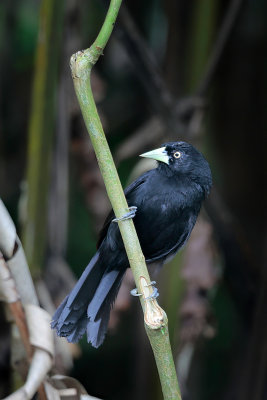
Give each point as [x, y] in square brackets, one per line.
[148, 71]
[138, 50]
[219, 46]
[155, 318]
[177, 114]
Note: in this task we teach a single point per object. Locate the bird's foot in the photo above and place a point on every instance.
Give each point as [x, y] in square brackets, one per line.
[155, 292]
[152, 283]
[153, 295]
[128, 215]
[135, 293]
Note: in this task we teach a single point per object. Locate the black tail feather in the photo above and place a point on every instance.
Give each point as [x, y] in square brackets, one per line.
[87, 308]
[98, 325]
[96, 330]
[103, 292]
[77, 331]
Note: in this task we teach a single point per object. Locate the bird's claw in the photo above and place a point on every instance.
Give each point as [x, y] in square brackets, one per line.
[128, 215]
[135, 293]
[152, 283]
[154, 294]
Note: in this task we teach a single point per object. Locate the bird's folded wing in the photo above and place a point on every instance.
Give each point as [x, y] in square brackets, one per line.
[132, 187]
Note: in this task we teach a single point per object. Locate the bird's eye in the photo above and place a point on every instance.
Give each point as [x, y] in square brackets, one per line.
[177, 154]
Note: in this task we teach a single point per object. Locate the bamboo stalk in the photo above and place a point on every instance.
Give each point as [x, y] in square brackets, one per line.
[41, 127]
[156, 323]
[200, 41]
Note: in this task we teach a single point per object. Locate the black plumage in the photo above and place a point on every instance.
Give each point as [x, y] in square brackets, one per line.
[168, 200]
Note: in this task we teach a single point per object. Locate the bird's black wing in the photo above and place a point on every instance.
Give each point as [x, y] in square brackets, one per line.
[161, 250]
[104, 229]
[130, 189]
[163, 222]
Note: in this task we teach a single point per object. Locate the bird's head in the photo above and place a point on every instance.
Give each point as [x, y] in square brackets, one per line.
[182, 159]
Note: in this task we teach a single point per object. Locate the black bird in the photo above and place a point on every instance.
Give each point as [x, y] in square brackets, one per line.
[168, 200]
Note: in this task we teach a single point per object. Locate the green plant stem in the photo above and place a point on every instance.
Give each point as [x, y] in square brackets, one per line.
[41, 129]
[157, 329]
[200, 39]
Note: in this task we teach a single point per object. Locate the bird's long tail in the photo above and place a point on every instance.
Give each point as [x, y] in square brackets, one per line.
[87, 307]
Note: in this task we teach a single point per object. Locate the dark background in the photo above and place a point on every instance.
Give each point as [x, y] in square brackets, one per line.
[173, 69]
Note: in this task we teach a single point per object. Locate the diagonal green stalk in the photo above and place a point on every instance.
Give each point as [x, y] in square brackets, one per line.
[156, 323]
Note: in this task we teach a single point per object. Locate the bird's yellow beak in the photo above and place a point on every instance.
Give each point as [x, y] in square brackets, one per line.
[157, 154]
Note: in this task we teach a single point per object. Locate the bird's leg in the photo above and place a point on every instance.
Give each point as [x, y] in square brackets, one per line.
[128, 215]
[152, 296]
